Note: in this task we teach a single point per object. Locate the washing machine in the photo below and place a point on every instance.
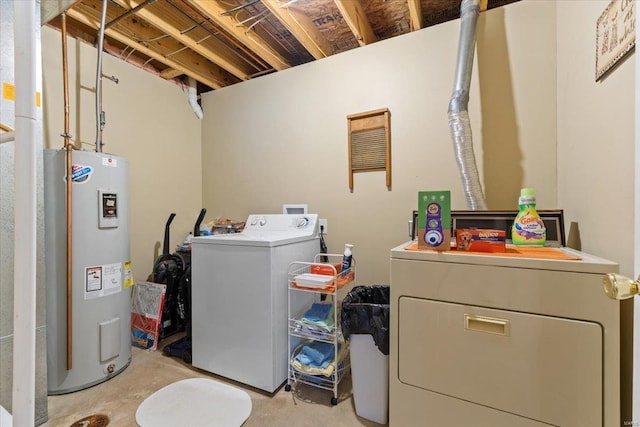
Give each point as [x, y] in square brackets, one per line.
[239, 297]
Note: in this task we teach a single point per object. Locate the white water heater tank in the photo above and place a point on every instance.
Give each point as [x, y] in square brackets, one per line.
[100, 325]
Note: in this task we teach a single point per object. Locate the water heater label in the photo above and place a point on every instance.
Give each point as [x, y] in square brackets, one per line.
[80, 173]
[102, 280]
[128, 275]
[110, 161]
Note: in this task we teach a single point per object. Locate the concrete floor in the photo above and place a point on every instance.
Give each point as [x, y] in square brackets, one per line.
[119, 398]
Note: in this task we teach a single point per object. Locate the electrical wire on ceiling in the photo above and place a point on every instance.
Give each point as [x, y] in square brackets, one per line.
[268, 27]
[240, 23]
[237, 8]
[302, 28]
[255, 62]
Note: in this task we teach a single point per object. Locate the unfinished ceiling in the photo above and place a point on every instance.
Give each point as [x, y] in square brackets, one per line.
[222, 42]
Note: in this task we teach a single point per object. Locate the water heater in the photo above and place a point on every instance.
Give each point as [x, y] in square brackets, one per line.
[88, 329]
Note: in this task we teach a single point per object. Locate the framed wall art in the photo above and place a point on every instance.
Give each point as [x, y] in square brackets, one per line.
[615, 35]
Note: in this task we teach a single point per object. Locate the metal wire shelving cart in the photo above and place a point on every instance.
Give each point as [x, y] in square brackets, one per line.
[322, 279]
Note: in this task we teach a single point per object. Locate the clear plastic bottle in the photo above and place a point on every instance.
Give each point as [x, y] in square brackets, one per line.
[346, 259]
[528, 228]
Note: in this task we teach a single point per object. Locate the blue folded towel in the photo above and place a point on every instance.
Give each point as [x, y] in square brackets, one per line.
[318, 311]
[317, 354]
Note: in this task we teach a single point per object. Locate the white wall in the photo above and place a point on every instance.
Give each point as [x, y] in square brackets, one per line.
[595, 138]
[282, 138]
[596, 187]
[149, 122]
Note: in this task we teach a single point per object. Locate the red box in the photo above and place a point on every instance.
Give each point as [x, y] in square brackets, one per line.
[480, 240]
[325, 269]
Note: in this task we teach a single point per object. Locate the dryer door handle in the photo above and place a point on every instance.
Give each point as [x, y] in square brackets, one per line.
[489, 325]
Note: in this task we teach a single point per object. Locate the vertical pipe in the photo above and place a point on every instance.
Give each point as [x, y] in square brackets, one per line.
[69, 165]
[24, 279]
[459, 124]
[99, 115]
[635, 395]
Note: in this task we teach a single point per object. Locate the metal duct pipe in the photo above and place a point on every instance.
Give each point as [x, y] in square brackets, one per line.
[458, 107]
[24, 277]
[69, 202]
[100, 122]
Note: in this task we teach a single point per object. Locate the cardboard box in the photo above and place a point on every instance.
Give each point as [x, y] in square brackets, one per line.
[434, 220]
[480, 240]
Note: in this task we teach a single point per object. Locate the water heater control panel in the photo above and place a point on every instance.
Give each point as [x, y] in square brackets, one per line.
[107, 209]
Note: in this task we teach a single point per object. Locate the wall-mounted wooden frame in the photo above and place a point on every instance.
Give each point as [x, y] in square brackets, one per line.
[615, 35]
[370, 143]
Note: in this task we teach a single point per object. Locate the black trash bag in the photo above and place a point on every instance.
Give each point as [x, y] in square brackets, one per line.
[365, 310]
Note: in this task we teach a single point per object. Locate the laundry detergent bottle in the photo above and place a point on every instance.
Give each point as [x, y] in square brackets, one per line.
[528, 228]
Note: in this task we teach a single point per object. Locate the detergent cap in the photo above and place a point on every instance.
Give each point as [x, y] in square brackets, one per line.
[527, 196]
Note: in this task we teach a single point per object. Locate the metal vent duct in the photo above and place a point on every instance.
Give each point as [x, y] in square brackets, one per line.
[458, 107]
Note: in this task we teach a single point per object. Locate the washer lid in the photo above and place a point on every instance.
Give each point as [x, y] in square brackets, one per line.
[268, 230]
[246, 239]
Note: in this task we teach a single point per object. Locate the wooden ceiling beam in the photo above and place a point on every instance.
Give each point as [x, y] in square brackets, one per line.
[170, 73]
[353, 12]
[140, 31]
[200, 72]
[301, 27]
[219, 53]
[214, 11]
[415, 14]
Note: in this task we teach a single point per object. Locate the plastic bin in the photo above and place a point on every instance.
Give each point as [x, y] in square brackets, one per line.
[365, 323]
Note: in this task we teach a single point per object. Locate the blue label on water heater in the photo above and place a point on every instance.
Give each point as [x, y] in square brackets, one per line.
[81, 173]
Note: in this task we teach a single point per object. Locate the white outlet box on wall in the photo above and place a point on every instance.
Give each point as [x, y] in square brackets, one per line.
[323, 226]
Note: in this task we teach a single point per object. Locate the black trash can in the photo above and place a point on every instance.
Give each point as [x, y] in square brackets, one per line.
[365, 324]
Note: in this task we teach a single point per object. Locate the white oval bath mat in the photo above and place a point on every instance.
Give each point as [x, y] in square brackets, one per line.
[195, 402]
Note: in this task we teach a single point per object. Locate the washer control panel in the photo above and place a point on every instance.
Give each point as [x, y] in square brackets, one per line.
[296, 224]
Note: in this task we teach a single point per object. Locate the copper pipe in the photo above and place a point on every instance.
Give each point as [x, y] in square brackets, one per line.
[69, 164]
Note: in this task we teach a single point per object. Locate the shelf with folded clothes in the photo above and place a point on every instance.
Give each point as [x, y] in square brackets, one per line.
[315, 364]
[317, 322]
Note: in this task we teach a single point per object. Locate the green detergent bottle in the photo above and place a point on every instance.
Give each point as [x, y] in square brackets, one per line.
[528, 228]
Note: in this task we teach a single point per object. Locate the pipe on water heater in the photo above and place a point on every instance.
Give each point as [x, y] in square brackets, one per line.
[100, 122]
[69, 201]
[459, 123]
[24, 279]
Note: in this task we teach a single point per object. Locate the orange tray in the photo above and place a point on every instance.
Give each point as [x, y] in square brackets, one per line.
[330, 288]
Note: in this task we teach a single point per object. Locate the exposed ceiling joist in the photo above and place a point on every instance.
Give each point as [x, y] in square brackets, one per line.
[353, 12]
[216, 51]
[170, 73]
[301, 27]
[415, 14]
[223, 42]
[199, 71]
[249, 38]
